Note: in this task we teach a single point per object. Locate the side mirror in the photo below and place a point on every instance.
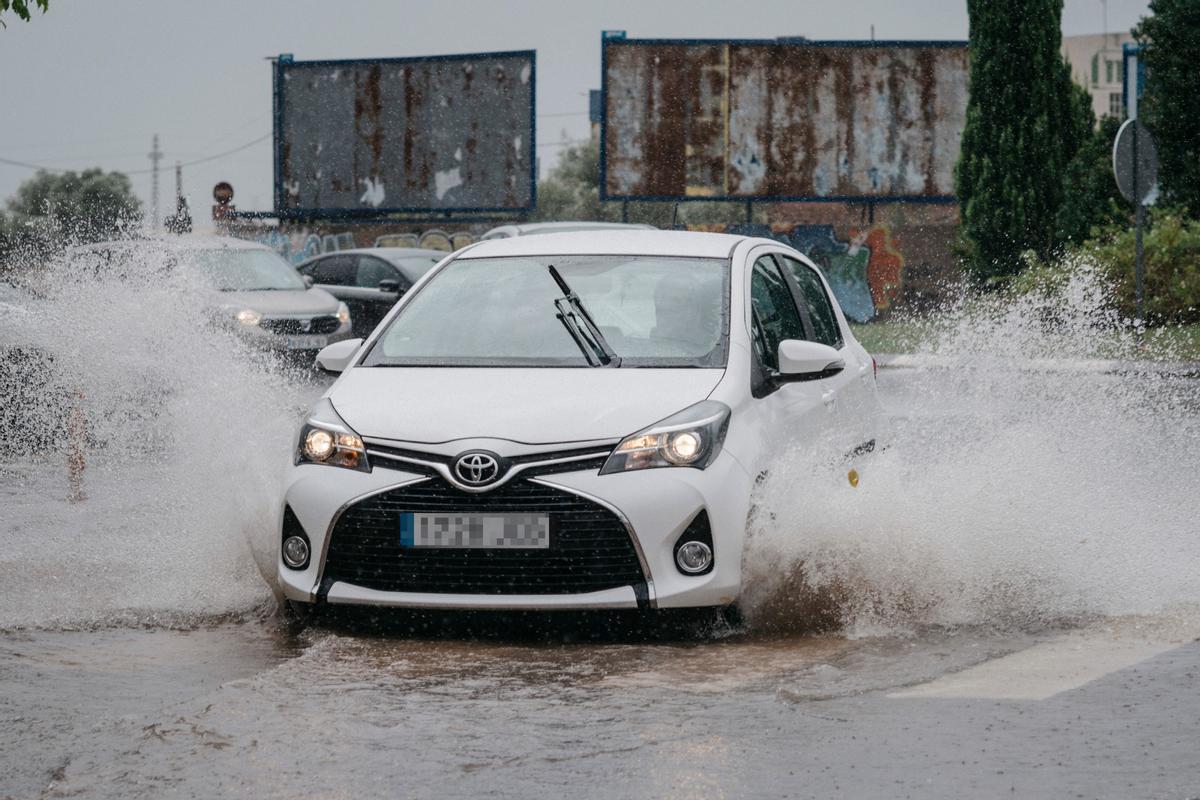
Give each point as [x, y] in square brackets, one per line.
[308, 281]
[808, 361]
[389, 286]
[337, 356]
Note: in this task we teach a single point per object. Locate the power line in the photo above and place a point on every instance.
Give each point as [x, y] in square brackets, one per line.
[194, 162]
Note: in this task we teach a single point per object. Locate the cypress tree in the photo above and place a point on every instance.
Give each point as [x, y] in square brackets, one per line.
[1024, 124]
[1170, 107]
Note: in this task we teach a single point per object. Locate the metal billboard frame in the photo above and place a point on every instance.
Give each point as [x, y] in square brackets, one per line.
[373, 214]
[608, 38]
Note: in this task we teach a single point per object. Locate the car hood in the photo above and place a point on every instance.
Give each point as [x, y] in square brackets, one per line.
[533, 406]
[283, 302]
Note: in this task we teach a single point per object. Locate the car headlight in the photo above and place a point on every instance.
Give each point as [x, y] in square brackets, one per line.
[326, 439]
[691, 438]
[343, 313]
[248, 316]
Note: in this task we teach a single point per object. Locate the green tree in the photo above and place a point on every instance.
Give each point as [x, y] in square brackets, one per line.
[52, 211]
[21, 8]
[1024, 124]
[1092, 198]
[1171, 104]
[572, 189]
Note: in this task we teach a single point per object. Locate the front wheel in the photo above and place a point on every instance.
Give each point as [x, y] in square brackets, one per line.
[298, 612]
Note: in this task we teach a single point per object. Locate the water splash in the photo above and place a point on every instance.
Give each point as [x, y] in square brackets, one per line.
[187, 435]
[1025, 485]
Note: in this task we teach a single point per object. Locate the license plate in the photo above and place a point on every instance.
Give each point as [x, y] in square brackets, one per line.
[306, 342]
[475, 531]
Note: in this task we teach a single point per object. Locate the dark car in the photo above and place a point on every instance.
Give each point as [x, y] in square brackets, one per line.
[370, 280]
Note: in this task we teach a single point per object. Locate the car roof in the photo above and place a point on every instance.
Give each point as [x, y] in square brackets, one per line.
[685, 244]
[393, 254]
[529, 228]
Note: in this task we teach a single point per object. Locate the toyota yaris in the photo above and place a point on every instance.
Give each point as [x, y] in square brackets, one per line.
[570, 421]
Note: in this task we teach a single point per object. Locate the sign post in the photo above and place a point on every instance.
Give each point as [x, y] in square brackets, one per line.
[1135, 164]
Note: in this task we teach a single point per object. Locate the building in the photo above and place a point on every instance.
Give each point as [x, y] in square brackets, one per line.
[1097, 65]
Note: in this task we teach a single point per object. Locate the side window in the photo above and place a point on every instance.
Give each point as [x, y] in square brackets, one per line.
[820, 310]
[372, 270]
[332, 271]
[774, 315]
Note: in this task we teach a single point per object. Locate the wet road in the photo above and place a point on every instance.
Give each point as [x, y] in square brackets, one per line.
[251, 710]
[1052, 681]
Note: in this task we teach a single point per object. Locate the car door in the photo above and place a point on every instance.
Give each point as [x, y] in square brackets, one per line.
[371, 301]
[854, 391]
[333, 273]
[792, 413]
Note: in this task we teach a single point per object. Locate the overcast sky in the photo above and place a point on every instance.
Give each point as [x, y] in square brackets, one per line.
[88, 83]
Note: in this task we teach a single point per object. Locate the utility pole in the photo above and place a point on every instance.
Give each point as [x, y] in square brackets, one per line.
[178, 184]
[155, 156]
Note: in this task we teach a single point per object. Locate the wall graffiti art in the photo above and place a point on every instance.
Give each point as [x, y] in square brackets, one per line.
[865, 271]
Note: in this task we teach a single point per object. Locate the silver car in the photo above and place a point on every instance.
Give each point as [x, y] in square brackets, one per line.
[259, 293]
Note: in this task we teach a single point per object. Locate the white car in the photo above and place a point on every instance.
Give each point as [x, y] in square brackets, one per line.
[569, 421]
[543, 228]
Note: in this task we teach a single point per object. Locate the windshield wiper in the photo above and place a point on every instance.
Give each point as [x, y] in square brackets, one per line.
[583, 329]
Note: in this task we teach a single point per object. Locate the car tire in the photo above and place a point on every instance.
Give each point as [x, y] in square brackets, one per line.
[298, 612]
[732, 617]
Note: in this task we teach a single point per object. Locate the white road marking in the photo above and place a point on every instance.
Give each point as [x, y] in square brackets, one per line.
[1049, 668]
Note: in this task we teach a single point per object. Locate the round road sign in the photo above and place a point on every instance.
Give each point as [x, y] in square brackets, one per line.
[1135, 160]
[223, 192]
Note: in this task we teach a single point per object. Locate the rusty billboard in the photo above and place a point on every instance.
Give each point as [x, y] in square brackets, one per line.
[368, 138]
[781, 120]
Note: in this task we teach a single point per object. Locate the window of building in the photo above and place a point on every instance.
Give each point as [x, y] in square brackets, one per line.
[1115, 107]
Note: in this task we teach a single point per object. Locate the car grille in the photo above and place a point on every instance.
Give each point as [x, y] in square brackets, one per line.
[590, 549]
[543, 463]
[295, 327]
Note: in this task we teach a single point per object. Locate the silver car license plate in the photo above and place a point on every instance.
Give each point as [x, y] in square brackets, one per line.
[306, 342]
[475, 531]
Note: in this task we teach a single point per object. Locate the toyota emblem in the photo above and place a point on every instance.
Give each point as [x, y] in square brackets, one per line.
[477, 469]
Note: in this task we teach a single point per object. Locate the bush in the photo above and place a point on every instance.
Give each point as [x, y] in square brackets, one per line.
[1172, 263]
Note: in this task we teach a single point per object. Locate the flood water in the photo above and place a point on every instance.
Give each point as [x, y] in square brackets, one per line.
[1006, 604]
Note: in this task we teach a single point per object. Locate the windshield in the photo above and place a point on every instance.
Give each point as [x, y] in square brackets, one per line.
[233, 270]
[653, 312]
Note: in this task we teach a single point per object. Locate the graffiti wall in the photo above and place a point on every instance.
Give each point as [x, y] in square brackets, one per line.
[865, 268]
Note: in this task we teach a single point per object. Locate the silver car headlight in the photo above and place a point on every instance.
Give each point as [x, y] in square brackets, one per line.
[326, 439]
[248, 316]
[691, 438]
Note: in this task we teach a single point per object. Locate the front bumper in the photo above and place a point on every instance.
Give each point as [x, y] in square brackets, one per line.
[655, 506]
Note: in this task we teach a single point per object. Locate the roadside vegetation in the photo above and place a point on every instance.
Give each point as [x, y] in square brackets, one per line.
[51, 211]
[1038, 200]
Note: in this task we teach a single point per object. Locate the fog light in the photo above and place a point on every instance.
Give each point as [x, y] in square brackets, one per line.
[693, 557]
[295, 552]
